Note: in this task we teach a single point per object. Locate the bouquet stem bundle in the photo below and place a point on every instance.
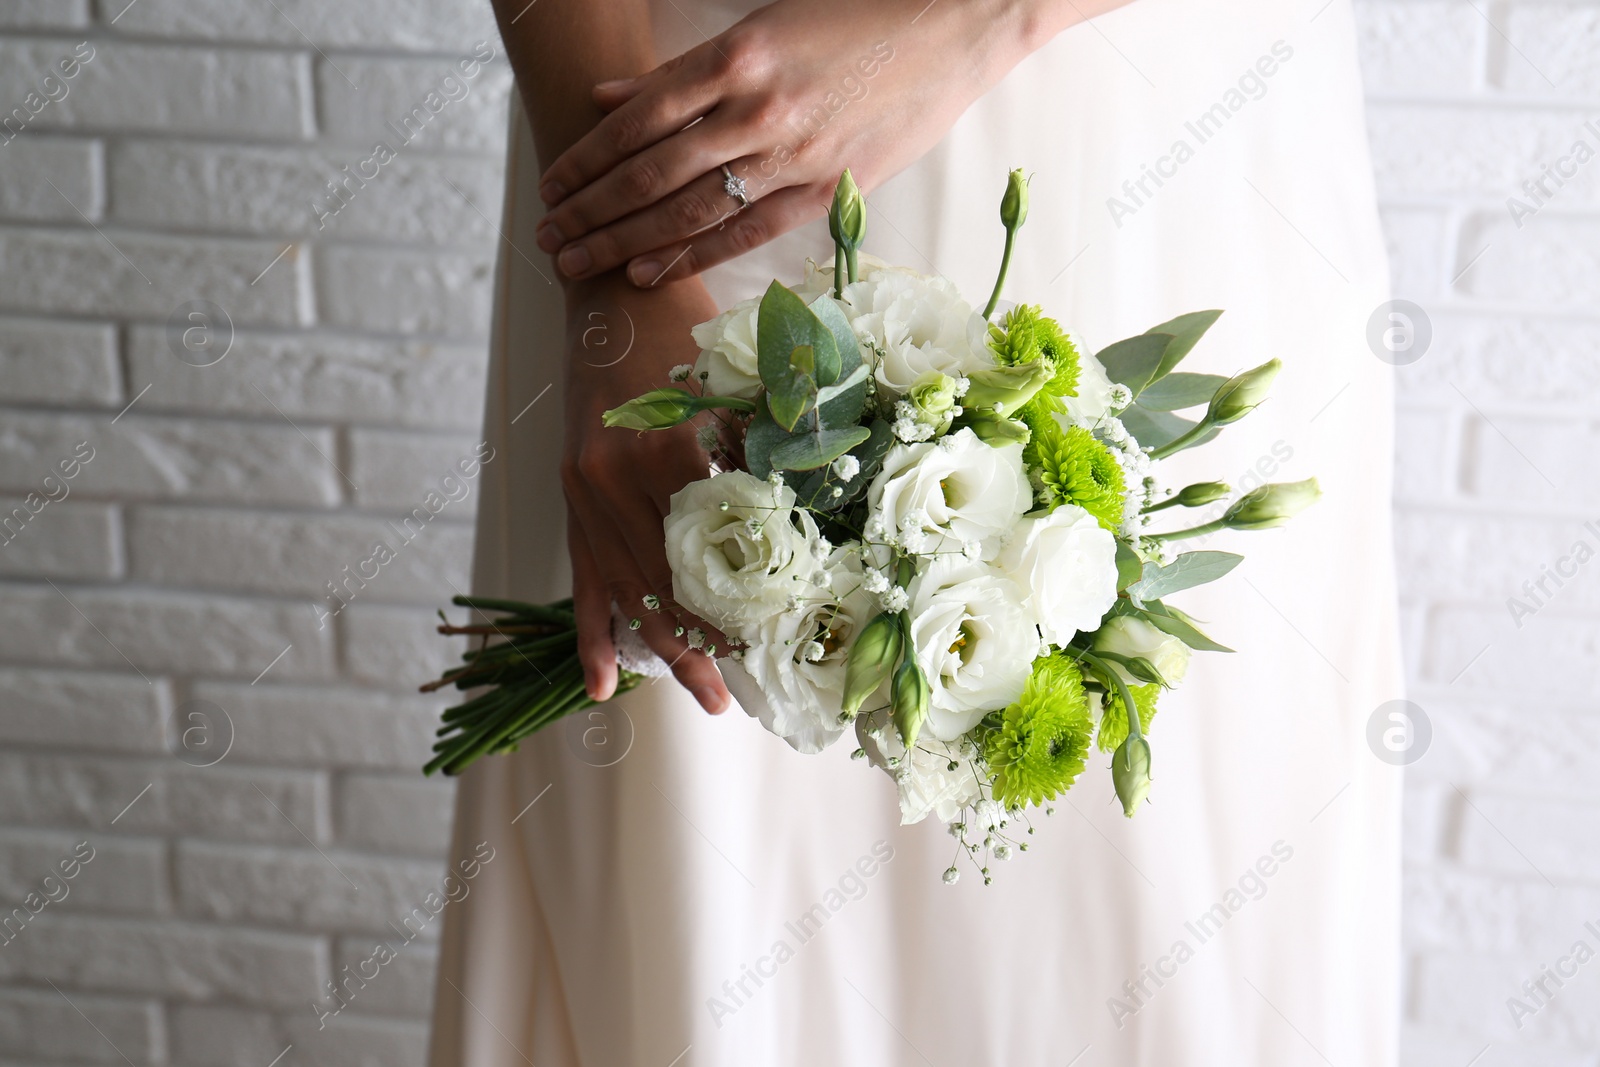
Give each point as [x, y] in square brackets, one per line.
[530, 679]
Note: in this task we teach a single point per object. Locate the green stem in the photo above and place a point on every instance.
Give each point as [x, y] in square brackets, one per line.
[1005, 265]
[1182, 441]
[838, 271]
[1193, 531]
[1170, 502]
[850, 262]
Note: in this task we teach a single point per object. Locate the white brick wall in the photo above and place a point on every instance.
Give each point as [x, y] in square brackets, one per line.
[192, 549]
[1496, 479]
[193, 546]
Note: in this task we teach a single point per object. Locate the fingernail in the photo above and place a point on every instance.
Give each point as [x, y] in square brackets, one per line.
[644, 272]
[548, 236]
[574, 260]
[710, 699]
[614, 83]
[551, 191]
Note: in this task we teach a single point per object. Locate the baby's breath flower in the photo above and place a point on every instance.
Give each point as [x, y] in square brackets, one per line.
[680, 373]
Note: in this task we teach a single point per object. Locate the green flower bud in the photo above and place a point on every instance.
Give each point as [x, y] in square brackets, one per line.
[847, 219]
[1130, 773]
[871, 659]
[1241, 394]
[1003, 390]
[934, 398]
[658, 409]
[909, 696]
[1014, 205]
[996, 430]
[1193, 496]
[1271, 505]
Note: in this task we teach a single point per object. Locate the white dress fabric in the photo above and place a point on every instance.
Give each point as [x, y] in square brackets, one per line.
[714, 899]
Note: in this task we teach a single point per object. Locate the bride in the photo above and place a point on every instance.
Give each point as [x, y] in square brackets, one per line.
[674, 887]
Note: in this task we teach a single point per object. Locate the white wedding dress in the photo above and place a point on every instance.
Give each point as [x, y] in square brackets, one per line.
[1248, 916]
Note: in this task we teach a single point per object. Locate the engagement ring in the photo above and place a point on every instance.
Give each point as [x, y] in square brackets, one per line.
[734, 186]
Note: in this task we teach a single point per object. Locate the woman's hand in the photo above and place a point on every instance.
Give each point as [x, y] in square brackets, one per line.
[621, 342]
[786, 98]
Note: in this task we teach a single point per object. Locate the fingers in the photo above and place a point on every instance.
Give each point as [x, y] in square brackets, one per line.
[702, 203]
[591, 603]
[693, 669]
[641, 181]
[769, 217]
[660, 104]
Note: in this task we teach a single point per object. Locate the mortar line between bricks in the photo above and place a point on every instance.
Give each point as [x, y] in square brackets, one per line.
[173, 233]
[97, 33]
[231, 140]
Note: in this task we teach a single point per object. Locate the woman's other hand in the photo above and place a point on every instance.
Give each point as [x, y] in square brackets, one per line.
[622, 342]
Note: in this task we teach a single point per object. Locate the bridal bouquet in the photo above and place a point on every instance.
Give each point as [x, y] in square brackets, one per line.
[926, 527]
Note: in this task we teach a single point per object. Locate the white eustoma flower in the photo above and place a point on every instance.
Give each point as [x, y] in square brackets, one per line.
[959, 489]
[738, 548]
[791, 677]
[918, 323]
[924, 778]
[1137, 639]
[1094, 393]
[973, 639]
[728, 351]
[1066, 564]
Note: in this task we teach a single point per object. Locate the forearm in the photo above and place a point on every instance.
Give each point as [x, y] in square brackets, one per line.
[559, 50]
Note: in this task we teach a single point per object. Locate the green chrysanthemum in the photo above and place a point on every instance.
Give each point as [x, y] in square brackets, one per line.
[1026, 335]
[1075, 468]
[1043, 739]
[1114, 718]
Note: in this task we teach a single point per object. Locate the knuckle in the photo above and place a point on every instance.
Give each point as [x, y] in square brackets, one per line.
[744, 52]
[689, 211]
[590, 468]
[625, 129]
[748, 234]
[640, 178]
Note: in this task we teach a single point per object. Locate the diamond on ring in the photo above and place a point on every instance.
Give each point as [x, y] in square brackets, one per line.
[734, 186]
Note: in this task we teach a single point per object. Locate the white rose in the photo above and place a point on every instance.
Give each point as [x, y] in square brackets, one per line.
[918, 322]
[926, 783]
[1137, 639]
[791, 676]
[973, 639]
[728, 351]
[1093, 400]
[1066, 563]
[958, 489]
[736, 565]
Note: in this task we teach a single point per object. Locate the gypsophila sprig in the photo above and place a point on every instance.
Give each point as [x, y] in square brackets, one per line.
[947, 536]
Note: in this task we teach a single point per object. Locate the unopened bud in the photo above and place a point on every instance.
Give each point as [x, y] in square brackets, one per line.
[847, 218]
[1014, 205]
[1130, 773]
[1242, 394]
[908, 697]
[658, 409]
[1271, 505]
[871, 660]
[1193, 496]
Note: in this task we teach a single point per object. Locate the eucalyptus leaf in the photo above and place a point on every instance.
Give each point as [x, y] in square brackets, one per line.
[760, 438]
[844, 335]
[1135, 362]
[805, 452]
[1152, 429]
[1185, 572]
[791, 400]
[783, 324]
[816, 491]
[829, 393]
[1181, 390]
[1129, 566]
[1185, 331]
[1172, 621]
